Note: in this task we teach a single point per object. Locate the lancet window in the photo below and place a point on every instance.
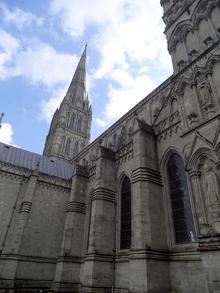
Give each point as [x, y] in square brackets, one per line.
[125, 239]
[180, 202]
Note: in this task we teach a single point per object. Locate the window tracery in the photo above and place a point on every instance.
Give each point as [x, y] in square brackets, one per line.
[180, 201]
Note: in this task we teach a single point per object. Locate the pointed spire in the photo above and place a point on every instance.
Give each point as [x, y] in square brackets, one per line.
[79, 77]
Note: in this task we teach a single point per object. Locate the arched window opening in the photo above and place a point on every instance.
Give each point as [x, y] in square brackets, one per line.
[67, 118]
[72, 121]
[180, 201]
[76, 148]
[174, 105]
[79, 124]
[62, 145]
[125, 239]
[67, 148]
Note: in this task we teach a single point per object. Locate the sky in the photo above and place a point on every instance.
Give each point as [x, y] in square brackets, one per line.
[41, 42]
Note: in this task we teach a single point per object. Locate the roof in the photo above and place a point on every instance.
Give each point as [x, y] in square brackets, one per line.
[25, 159]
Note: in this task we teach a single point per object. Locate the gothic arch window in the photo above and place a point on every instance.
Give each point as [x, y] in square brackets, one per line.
[174, 105]
[76, 148]
[125, 231]
[180, 202]
[62, 145]
[79, 124]
[67, 118]
[72, 121]
[67, 148]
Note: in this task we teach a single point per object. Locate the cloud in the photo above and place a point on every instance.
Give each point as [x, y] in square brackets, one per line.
[37, 61]
[40, 63]
[75, 19]
[101, 122]
[49, 107]
[6, 133]
[128, 34]
[8, 48]
[19, 17]
[128, 91]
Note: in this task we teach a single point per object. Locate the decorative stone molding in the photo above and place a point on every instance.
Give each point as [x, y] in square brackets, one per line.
[174, 12]
[107, 153]
[25, 207]
[146, 174]
[104, 194]
[77, 207]
[49, 186]
[167, 123]
[125, 153]
[81, 171]
[179, 35]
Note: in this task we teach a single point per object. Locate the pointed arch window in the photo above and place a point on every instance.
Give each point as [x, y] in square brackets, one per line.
[62, 145]
[76, 148]
[67, 118]
[79, 124]
[72, 121]
[180, 201]
[67, 148]
[125, 231]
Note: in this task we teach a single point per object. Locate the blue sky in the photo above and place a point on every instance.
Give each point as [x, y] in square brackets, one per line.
[41, 42]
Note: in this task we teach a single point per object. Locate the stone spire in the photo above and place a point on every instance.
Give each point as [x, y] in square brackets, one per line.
[70, 127]
[78, 82]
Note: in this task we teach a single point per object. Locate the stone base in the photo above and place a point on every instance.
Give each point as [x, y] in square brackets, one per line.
[95, 290]
[65, 287]
[24, 286]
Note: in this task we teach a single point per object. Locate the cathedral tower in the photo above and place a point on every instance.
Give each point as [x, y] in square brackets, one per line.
[70, 127]
[192, 28]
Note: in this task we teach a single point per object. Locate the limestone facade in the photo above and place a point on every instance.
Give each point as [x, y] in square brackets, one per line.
[140, 213]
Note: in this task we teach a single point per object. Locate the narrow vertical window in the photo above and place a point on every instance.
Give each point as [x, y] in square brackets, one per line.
[67, 148]
[125, 240]
[76, 148]
[72, 121]
[62, 145]
[79, 124]
[180, 201]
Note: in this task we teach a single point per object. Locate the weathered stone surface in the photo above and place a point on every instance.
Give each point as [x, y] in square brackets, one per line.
[60, 235]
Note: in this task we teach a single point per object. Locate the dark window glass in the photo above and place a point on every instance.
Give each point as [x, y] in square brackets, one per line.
[182, 213]
[126, 214]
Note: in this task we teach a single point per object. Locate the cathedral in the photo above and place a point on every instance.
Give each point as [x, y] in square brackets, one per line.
[138, 209]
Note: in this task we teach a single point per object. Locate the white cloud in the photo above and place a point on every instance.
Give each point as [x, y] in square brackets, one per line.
[128, 36]
[37, 61]
[101, 122]
[8, 48]
[40, 63]
[19, 17]
[49, 107]
[127, 94]
[75, 19]
[6, 133]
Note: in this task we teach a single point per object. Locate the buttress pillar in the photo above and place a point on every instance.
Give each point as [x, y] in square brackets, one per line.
[12, 247]
[67, 277]
[148, 261]
[97, 275]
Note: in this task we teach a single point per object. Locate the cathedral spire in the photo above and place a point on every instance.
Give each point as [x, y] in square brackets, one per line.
[70, 127]
[79, 77]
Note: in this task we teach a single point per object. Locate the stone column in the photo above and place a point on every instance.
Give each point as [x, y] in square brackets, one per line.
[214, 91]
[194, 87]
[67, 277]
[148, 221]
[12, 249]
[98, 267]
[199, 202]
